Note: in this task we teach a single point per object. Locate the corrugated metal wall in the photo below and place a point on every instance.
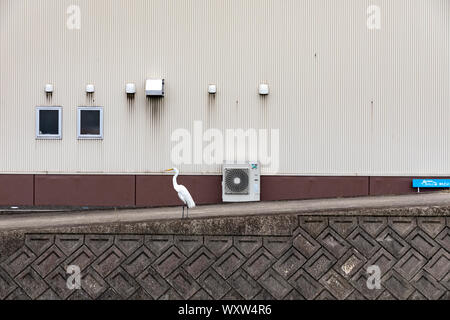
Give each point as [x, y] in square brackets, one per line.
[347, 100]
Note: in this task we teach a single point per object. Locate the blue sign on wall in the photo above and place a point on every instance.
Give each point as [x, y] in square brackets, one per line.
[431, 183]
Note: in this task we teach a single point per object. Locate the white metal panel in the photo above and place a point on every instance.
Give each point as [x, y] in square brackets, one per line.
[347, 100]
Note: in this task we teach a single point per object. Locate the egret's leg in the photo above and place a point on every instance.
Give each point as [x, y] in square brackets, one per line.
[187, 214]
[182, 217]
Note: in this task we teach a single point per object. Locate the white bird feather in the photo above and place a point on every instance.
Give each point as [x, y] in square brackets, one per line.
[185, 196]
[183, 192]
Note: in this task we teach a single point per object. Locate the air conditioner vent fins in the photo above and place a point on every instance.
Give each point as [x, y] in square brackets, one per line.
[236, 181]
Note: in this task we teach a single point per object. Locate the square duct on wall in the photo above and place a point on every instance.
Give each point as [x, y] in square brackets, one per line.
[130, 88]
[49, 88]
[154, 87]
[90, 88]
[264, 89]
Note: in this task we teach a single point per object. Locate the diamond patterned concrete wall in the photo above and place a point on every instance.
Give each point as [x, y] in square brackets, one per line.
[325, 258]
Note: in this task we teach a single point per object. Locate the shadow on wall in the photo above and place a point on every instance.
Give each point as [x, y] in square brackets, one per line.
[155, 109]
[131, 101]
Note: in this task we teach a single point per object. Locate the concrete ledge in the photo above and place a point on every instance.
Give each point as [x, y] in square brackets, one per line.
[215, 215]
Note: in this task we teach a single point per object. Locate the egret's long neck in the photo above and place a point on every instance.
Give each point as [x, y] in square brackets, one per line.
[174, 180]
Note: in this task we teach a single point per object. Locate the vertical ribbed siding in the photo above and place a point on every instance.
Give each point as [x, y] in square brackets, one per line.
[324, 67]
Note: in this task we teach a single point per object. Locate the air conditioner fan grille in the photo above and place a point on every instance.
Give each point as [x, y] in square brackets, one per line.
[236, 181]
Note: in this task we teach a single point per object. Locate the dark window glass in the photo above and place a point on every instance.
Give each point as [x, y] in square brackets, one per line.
[49, 122]
[90, 122]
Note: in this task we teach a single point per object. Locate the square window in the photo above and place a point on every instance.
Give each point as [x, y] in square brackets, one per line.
[90, 123]
[48, 122]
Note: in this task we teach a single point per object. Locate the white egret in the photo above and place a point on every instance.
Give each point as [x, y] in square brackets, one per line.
[183, 193]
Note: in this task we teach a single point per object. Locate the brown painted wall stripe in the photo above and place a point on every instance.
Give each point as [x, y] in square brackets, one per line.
[158, 190]
[78, 190]
[293, 188]
[153, 191]
[394, 185]
[16, 190]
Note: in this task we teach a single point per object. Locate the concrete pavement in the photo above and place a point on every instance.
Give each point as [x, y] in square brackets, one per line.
[61, 219]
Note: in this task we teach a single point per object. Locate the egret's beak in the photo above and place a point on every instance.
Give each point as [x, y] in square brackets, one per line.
[168, 170]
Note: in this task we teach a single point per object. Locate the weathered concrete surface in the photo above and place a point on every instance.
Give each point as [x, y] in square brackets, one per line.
[302, 250]
[408, 205]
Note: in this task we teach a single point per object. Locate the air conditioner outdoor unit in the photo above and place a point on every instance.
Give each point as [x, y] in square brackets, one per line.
[241, 182]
